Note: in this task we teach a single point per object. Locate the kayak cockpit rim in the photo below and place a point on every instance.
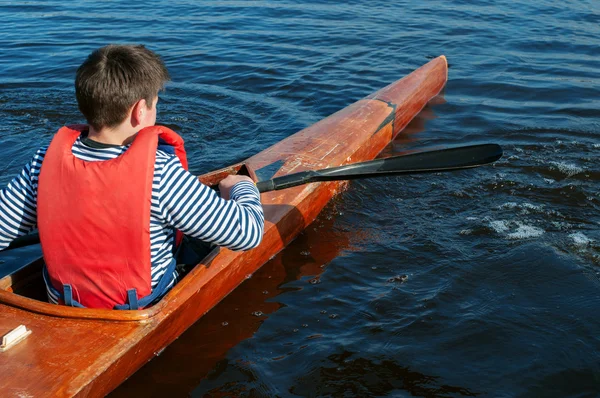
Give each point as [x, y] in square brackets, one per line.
[46, 308]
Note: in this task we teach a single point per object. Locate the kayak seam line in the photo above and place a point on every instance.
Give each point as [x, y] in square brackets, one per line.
[391, 117]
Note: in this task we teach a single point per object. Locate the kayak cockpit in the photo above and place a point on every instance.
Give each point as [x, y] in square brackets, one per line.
[26, 281]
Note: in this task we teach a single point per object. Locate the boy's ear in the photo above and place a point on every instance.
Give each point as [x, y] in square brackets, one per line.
[138, 112]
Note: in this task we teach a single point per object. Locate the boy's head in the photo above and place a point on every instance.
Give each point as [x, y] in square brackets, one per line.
[113, 79]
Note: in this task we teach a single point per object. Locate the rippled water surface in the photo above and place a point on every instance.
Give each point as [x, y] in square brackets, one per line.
[484, 282]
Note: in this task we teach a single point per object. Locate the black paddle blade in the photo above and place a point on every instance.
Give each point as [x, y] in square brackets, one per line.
[421, 162]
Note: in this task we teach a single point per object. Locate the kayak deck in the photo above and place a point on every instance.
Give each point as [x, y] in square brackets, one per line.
[111, 345]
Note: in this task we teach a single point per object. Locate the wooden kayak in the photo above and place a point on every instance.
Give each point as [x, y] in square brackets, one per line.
[89, 352]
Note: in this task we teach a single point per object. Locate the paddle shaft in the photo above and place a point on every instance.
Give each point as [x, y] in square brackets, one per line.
[442, 160]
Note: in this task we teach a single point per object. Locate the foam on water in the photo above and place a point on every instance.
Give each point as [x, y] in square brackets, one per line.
[526, 208]
[579, 239]
[529, 206]
[515, 230]
[499, 226]
[567, 169]
[525, 232]
[561, 225]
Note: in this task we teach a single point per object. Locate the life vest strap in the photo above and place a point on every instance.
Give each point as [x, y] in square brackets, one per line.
[133, 303]
[68, 296]
[159, 290]
[132, 299]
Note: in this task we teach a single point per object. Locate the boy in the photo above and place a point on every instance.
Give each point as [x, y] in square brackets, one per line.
[108, 197]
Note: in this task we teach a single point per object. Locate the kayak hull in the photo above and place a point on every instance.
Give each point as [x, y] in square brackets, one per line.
[87, 352]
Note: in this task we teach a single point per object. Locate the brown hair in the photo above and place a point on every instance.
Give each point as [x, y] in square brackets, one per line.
[113, 78]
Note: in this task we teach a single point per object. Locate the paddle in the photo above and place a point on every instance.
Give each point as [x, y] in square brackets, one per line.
[450, 159]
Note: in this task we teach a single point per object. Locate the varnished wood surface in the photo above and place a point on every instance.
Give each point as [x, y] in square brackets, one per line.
[89, 352]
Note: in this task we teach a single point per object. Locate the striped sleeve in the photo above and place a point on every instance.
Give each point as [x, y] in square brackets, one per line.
[198, 211]
[18, 202]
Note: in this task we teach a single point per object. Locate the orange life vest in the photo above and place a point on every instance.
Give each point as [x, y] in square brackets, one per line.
[94, 219]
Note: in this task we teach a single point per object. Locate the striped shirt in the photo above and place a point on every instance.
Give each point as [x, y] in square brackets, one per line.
[179, 201]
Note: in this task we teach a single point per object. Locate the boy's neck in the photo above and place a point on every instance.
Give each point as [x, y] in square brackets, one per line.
[140, 116]
[120, 135]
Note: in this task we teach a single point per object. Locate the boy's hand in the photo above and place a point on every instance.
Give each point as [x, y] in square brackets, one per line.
[228, 182]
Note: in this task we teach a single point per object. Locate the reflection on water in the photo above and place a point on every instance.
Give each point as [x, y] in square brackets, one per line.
[343, 375]
[241, 313]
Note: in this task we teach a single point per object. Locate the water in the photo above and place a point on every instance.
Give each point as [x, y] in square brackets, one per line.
[484, 282]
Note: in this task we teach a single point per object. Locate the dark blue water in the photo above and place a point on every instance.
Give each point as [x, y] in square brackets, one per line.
[485, 282]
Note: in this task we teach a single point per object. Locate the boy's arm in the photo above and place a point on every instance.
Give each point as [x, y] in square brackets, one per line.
[18, 203]
[198, 211]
